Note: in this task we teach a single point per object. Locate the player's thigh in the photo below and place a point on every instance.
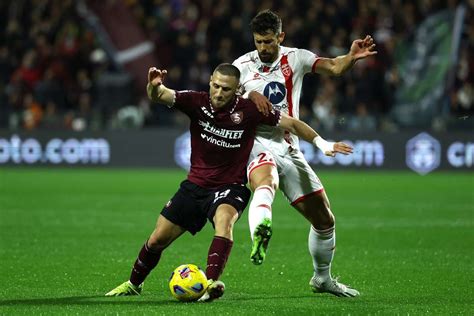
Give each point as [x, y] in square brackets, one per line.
[187, 208]
[298, 181]
[225, 216]
[165, 233]
[262, 170]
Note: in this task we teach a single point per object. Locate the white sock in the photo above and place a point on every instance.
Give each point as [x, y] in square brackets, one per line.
[260, 206]
[321, 244]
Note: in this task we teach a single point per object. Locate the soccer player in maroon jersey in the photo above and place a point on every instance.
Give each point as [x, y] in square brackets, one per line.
[222, 128]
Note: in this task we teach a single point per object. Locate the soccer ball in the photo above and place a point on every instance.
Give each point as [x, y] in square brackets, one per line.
[188, 283]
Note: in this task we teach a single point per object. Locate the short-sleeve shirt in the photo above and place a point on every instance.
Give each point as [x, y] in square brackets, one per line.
[221, 139]
[281, 83]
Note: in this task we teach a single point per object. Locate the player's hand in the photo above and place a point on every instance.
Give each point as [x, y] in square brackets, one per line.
[339, 148]
[264, 106]
[362, 48]
[156, 76]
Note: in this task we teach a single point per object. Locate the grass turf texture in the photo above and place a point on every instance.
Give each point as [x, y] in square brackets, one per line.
[68, 236]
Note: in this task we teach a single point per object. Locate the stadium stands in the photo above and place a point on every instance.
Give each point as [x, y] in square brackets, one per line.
[57, 71]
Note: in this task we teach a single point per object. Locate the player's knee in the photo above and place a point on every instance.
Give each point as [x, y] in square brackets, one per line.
[324, 220]
[156, 242]
[224, 228]
[330, 221]
[224, 221]
[265, 179]
[272, 182]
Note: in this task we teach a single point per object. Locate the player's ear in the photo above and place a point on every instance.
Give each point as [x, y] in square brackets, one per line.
[281, 37]
[210, 81]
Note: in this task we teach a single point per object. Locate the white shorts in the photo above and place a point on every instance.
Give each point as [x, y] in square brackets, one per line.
[297, 179]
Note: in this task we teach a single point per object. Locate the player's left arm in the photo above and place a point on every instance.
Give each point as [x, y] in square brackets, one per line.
[360, 49]
[304, 131]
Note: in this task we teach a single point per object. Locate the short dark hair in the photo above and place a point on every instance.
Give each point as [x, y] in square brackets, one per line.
[228, 70]
[266, 20]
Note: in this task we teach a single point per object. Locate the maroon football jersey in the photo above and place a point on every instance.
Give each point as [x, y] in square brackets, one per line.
[221, 140]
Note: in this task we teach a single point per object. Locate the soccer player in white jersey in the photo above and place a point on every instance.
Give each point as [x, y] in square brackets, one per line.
[272, 76]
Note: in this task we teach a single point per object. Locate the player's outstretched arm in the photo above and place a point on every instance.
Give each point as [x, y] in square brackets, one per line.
[156, 90]
[360, 49]
[304, 131]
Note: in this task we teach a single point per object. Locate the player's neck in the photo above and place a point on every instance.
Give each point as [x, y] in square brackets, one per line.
[225, 106]
[277, 56]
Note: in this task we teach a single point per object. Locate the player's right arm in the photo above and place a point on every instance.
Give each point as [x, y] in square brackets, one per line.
[304, 131]
[156, 90]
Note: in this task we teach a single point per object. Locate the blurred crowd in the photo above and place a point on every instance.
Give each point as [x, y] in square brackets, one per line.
[46, 74]
[50, 60]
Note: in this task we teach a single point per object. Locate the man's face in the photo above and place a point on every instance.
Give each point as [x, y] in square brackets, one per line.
[222, 89]
[267, 45]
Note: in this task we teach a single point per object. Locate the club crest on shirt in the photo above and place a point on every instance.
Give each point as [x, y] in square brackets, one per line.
[286, 70]
[237, 117]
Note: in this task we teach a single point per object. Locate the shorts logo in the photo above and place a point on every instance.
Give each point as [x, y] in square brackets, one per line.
[237, 117]
[423, 153]
[275, 92]
[168, 204]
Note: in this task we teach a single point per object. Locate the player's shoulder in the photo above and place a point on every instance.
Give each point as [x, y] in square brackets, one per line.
[191, 98]
[299, 58]
[247, 106]
[284, 50]
[245, 103]
[193, 92]
[293, 52]
[245, 59]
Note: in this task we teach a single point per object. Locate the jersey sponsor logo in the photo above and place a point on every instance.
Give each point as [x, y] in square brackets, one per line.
[203, 108]
[219, 142]
[221, 132]
[275, 92]
[237, 117]
[423, 153]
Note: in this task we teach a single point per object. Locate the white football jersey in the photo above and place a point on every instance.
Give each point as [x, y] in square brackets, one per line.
[281, 83]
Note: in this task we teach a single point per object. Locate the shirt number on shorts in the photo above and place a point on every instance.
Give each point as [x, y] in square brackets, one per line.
[262, 157]
[220, 195]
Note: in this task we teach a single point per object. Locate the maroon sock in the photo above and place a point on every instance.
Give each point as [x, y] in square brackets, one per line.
[217, 257]
[146, 261]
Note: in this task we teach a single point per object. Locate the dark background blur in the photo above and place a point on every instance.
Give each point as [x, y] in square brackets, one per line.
[82, 65]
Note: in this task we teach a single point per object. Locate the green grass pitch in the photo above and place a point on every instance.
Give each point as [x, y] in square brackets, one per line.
[67, 236]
